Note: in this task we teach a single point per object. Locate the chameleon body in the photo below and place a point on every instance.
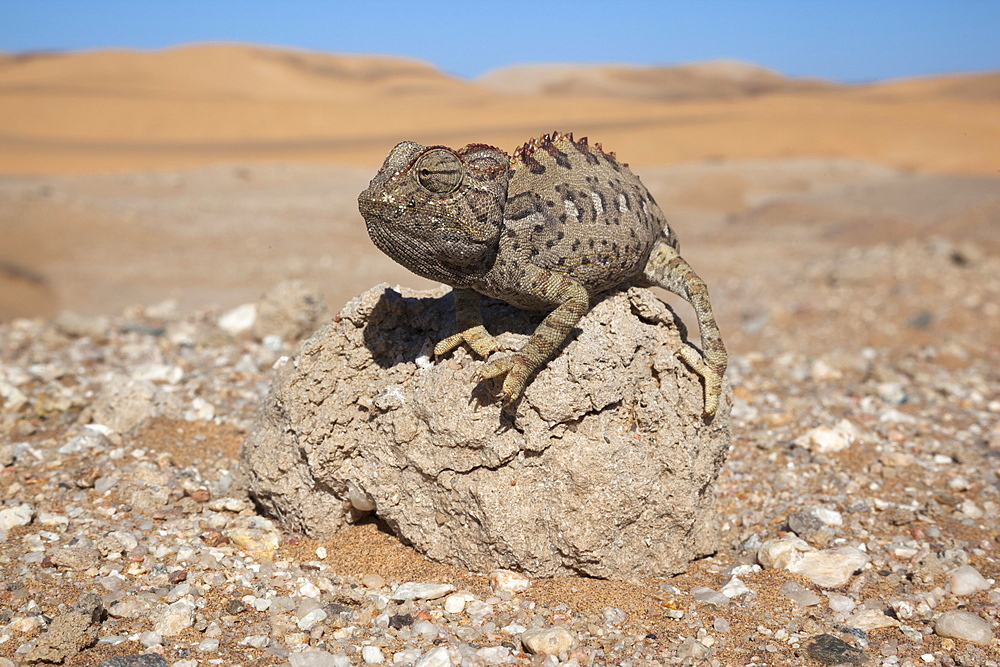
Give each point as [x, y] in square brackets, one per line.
[546, 229]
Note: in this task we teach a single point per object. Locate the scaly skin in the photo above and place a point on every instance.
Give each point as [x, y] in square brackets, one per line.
[547, 229]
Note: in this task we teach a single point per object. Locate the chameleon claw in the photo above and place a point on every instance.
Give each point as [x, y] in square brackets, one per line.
[711, 378]
[516, 370]
[481, 342]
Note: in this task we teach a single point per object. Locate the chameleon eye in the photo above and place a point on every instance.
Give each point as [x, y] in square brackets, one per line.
[439, 171]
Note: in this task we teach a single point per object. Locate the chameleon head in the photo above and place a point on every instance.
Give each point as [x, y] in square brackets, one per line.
[437, 211]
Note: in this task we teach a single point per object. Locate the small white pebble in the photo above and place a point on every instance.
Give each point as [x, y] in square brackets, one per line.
[967, 580]
[841, 603]
[372, 655]
[960, 624]
[309, 590]
[372, 581]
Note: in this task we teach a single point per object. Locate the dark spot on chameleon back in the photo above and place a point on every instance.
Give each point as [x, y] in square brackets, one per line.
[582, 148]
[533, 165]
[561, 158]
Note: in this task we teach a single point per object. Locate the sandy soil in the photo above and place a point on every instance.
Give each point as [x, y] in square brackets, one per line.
[850, 238]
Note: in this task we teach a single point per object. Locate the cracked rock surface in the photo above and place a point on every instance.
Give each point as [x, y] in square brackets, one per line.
[604, 468]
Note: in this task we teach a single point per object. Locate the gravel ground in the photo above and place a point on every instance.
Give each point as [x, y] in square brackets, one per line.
[859, 503]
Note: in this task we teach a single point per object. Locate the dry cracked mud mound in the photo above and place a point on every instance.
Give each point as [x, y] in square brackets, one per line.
[604, 468]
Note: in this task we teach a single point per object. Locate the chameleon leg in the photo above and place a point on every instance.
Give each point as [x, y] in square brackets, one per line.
[573, 301]
[667, 269]
[469, 318]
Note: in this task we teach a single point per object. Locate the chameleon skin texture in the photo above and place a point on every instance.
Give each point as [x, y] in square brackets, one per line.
[546, 229]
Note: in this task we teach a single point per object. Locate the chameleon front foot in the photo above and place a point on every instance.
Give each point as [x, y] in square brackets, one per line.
[516, 369]
[477, 337]
[710, 377]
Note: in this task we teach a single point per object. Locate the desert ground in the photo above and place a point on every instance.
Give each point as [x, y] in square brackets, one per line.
[849, 235]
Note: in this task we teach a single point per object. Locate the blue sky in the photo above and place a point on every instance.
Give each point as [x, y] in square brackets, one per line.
[847, 40]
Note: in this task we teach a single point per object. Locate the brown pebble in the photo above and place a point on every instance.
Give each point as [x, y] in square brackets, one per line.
[236, 606]
[214, 538]
[201, 495]
[177, 576]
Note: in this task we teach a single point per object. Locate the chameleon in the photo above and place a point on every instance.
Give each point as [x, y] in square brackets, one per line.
[547, 229]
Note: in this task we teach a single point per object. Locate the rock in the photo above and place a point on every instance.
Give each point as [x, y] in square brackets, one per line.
[239, 319]
[613, 615]
[130, 607]
[372, 655]
[870, 619]
[829, 568]
[841, 603]
[310, 619]
[317, 659]
[173, 619]
[799, 594]
[508, 581]
[966, 580]
[692, 650]
[255, 535]
[126, 403]
[779, 552]
[74, 325]
[734, 588]
[413, 590]
[828, 439]
[290, 310]
[709, 596]
[436, 657]
[959, 624]
[802, 523]
[140, 660]
[6, 449]
[830, 650]
[553, 640]
[209, 645]
[605, 467]
[70, 632]
[19, 515]
[76, 558]
[455, 603]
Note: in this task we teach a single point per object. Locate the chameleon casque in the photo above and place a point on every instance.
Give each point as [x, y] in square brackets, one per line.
[547, 230]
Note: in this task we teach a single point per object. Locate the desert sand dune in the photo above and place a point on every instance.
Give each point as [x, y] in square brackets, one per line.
[204, 104]
[717, 79]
